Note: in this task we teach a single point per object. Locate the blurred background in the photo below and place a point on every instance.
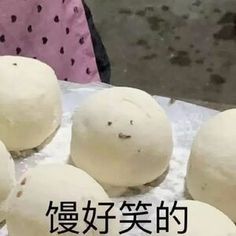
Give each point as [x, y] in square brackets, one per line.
[184, 49]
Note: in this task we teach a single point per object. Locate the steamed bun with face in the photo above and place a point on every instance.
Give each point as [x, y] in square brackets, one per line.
[211, 173]
[56, 183]
[7, 178]
[121, 137]
[30, 105]
[202, 220]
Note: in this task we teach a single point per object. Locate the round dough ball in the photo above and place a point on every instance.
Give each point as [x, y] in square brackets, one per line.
[29, 201]
[7, 178]
[121, 137]
[30, 105]
[202, 219]
[211, 173]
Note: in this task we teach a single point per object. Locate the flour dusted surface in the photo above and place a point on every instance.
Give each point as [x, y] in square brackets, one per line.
[186, 119]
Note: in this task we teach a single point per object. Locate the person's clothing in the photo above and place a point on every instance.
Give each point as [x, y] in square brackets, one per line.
[56, 32]
[102, 59]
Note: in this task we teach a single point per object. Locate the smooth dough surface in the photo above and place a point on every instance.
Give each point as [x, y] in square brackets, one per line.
[212, 166]
[7, 178]
[202, 220]
[121, 137]
[30, 102]
[29, 201]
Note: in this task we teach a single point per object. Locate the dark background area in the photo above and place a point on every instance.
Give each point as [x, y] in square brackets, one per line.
[183, 49]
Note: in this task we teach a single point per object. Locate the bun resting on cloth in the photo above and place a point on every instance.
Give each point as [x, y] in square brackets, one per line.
[211, 176]
[30, 102]
[7, 178]
[57, 183]
[202, 219]
[121, 137]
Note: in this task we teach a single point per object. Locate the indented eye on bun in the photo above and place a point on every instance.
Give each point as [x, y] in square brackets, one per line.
[211, 173]
[30, 107]
[56, 183]
[7, 178]
[201, 219]
[121, 137]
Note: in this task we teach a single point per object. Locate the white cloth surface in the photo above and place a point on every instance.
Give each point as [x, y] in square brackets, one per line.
[186, 119]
